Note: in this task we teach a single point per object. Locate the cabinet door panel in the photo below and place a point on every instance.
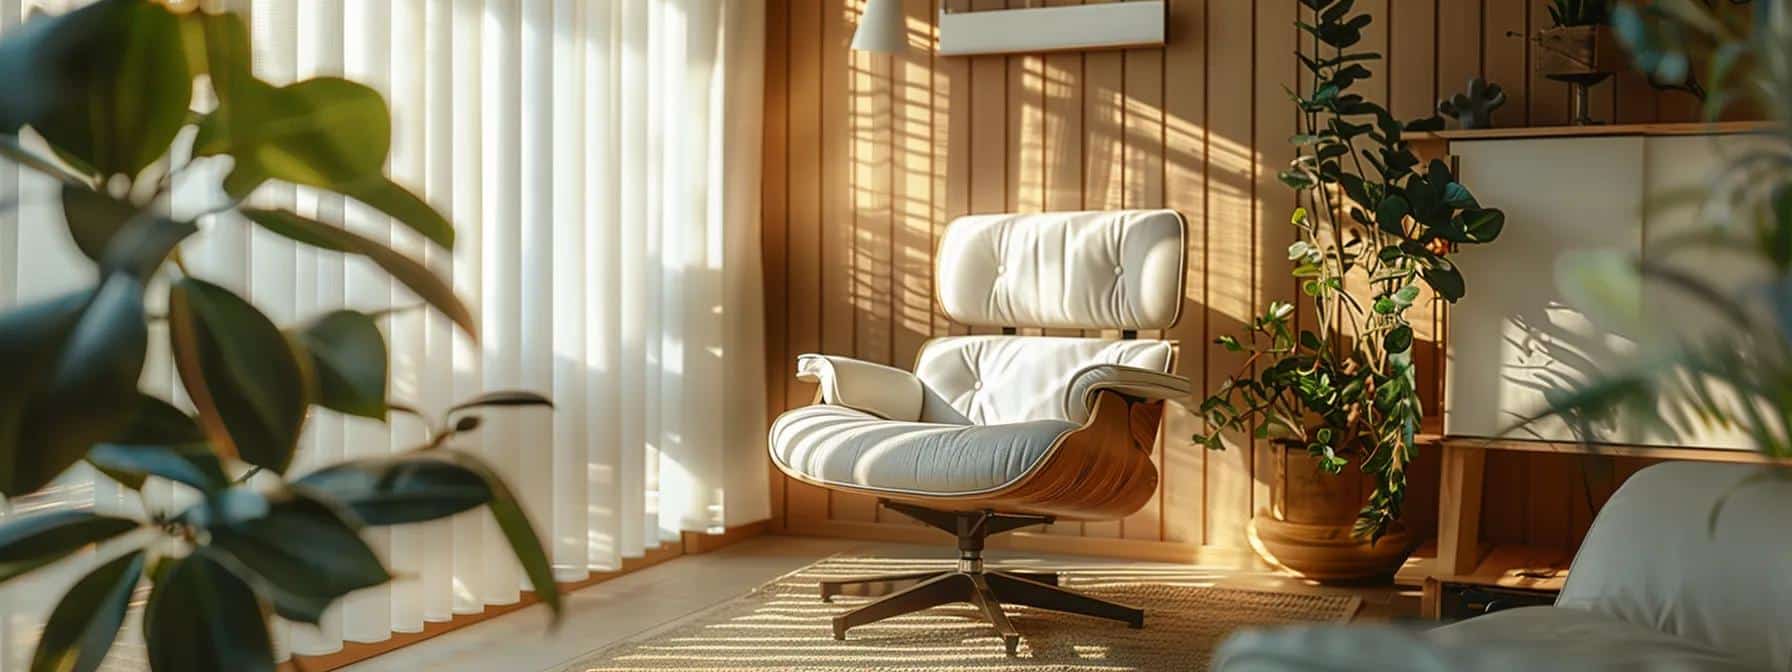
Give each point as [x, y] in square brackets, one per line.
[1513, 338]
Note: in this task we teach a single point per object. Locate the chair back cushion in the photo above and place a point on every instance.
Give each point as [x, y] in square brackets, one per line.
[1663, 554]
[1001, 379]
[1109, 269]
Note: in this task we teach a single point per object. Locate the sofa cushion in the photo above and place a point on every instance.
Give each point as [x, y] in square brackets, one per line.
[1695, 549]
[1577, 639]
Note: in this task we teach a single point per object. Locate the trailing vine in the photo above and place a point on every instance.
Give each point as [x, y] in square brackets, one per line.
[1373, 223]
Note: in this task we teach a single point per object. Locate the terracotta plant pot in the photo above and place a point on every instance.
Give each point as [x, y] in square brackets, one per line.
[1306, 530]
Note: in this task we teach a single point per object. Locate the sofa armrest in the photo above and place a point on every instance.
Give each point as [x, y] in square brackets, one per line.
[1129, 381]
[887, 392]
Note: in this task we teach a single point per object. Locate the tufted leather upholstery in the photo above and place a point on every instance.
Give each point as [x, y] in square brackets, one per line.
[1116, 269]
[986, 415]
[995, 379]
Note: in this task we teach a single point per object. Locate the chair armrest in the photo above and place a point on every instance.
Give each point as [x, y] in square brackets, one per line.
[887, 392]
[1129, 381]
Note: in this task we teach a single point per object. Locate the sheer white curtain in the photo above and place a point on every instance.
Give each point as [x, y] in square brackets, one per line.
[600, 161]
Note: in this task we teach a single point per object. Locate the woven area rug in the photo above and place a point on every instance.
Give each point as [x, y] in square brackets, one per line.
[784, 625]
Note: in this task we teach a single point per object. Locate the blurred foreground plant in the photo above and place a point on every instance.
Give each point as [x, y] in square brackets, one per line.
[102, 100]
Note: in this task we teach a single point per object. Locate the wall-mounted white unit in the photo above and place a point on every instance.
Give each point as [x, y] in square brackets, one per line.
[1112, 25]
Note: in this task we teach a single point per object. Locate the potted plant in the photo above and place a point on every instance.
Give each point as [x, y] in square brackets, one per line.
[1374, 225]
[1578, 49]
[98, 99]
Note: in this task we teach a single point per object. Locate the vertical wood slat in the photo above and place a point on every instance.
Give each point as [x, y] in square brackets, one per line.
[1143, 101]
[1185, 160]
[1230, 240]
[844, 111]
[774, 232]
[1104, 164]
[868, 158]
[1274, 118]
[803, 501]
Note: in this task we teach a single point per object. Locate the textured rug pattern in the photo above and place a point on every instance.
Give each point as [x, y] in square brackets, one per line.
[784, 625]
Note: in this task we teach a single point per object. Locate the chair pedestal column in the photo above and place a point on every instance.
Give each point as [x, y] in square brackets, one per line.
[971, 582]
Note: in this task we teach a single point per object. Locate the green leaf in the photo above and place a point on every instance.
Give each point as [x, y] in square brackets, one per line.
[324, 132]
[1446, 281]
[425, 283]
[81, 629]
[193, 464]
[239, 371]
[73, 364]
[108, 84]
[1398, 340]
[202, 617]
[93, 218]
[408, 488]
[348, 353]
[156, 424]
[143, 244]
[30, 542]
[524, 542]
[1390, 214]
[386, 196]
[303, 549]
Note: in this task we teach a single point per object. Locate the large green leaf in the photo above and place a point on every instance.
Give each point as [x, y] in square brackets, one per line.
[157, 424]
[75, 373]
[30, 337]
[240, 372]
[193, 464]
[143, 244]
[348, 354]
[201, 617]
[93, 218]
[33, 541]
[107, 84]
[302, 551]
[426, 284]
[518, 532]
[323, 132]
[388, 197]
[84, 624]
[408, 488]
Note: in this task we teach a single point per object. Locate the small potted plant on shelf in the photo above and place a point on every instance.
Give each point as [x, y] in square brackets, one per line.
[1374, 228]
[1578, 48]
[101, 101]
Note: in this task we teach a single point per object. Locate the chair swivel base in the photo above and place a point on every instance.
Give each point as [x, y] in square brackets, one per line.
[971, 582]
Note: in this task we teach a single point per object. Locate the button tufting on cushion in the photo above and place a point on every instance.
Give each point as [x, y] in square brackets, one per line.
[1115, 269]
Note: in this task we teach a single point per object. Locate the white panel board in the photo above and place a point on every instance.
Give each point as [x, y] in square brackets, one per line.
[1114, 25]
[1512, 337]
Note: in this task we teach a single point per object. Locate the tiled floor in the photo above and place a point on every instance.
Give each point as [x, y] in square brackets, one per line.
[662, 595]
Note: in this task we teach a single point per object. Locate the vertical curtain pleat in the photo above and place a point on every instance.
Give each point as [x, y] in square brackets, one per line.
[599, 159]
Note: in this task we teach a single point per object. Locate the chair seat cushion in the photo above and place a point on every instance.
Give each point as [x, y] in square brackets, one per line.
[1578, 639]
[843, 447]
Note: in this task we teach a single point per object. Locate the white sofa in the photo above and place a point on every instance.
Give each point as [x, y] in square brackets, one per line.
[1687, 567]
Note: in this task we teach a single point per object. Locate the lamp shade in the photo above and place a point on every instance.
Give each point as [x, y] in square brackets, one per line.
[881, 28]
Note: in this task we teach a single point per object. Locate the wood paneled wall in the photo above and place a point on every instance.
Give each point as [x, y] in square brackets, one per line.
[867, 157]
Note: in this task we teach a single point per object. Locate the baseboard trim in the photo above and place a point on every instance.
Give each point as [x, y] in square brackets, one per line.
[1036, 542]
[692, 543]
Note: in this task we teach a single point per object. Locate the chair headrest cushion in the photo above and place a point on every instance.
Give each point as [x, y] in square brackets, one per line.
[1105, 269]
